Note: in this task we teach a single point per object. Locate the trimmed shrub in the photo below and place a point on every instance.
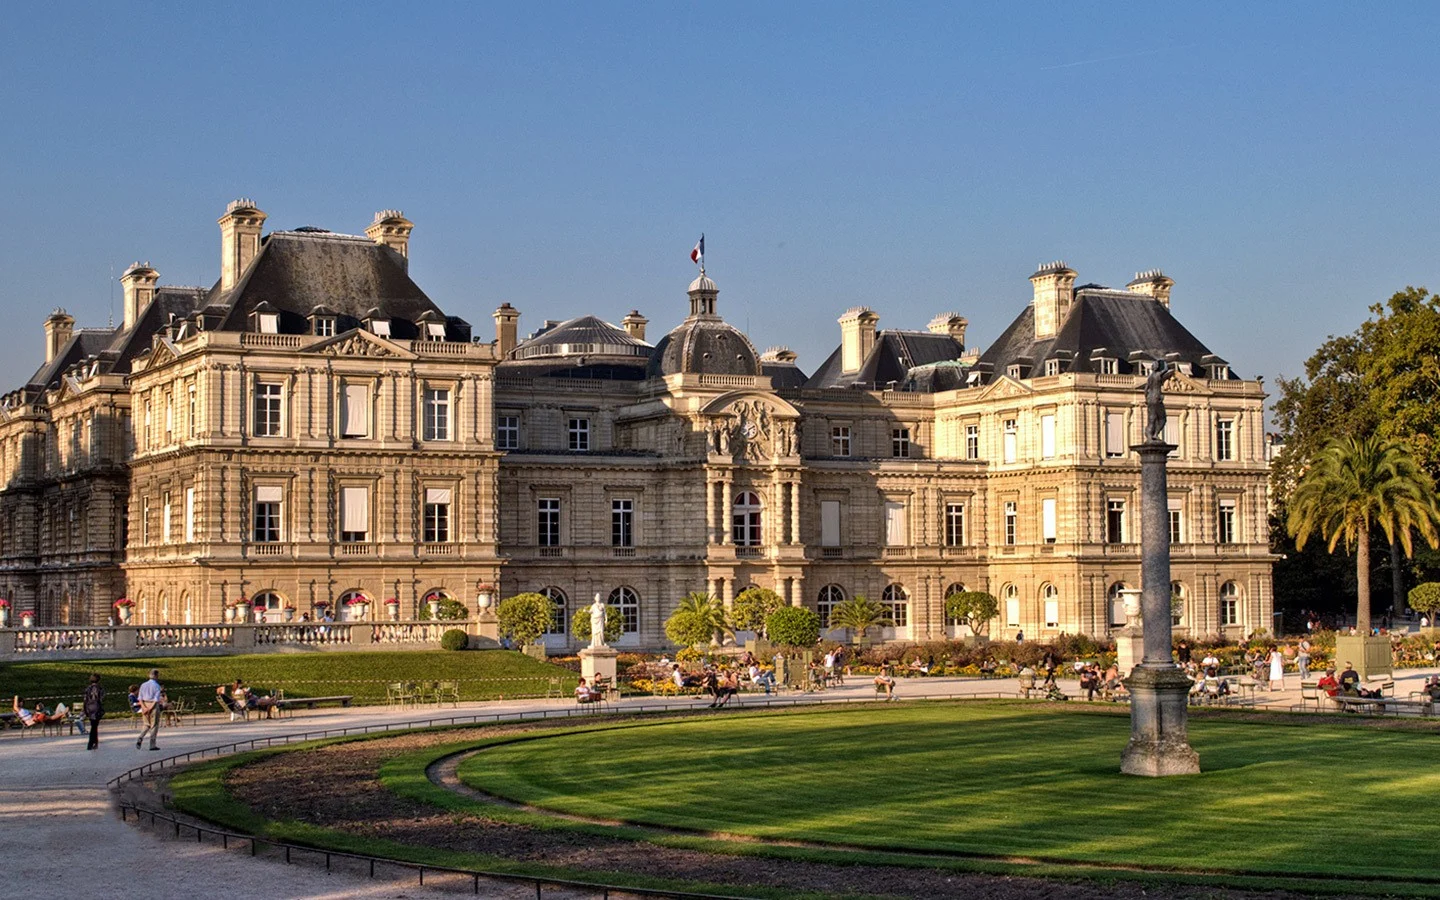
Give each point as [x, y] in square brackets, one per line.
[454, 639]
[1425, 598]
[524, 617]
[794, 626]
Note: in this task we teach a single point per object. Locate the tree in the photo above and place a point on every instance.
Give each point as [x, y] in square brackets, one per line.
[698, 619]
[580, 624]
[749, 611]
[973, 608]
[793, 626]
[524, 617]
[448, 611]
[1354, 484]
[1425, 598]
[859, 614]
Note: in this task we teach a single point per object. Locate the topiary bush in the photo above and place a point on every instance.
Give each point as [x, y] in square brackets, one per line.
[449, 611]
[524, 617]
[454, 639]
[1425, 599]
[794, 626]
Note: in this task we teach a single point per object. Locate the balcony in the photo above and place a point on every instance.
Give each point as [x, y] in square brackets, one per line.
[357, 549]
[437, 549]
[832, 552]
[551, 552]
[622, 552]
[749, 552]
[267, 549]
[897, 552]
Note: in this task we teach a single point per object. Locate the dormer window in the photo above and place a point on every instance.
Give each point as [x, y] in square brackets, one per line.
[1145, 367]
[1220, 373]
[1052, 367]
[434, 331]
[1107, 365]
[265, 319]
[324, 326]
[380, 327]
[1013, 370]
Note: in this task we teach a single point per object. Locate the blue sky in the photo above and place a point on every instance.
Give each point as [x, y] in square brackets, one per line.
[1278, 161]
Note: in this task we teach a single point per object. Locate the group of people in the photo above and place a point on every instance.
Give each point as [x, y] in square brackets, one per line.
[1347, 684]
[238, 699]
[1106, 682]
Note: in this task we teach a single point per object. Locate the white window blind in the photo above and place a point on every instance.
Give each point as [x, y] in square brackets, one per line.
[1047, 519]
[380, 327]
[1012, 611]
[165, 521]
[357, 411]
[355, 509]
[896, 533]
[829, 523]
[270, 494]
[189, 515]
[1052, 613]
[1114, 434]
[437, 495]
[435, 330]
[1047, 437]
[1172, 430]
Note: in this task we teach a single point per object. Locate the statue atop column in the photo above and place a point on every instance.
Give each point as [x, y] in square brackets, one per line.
[1155, 401]
[597, 622]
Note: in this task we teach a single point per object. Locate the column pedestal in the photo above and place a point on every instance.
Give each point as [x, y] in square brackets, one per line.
[598, 661]
[1129, 650]
[1159, 733]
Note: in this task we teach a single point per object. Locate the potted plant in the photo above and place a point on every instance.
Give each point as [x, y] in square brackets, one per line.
[321, 608]
[289, 613]
[358, 607]
[123, 607]
[392, 608]
[27, 618]
[4, 613]
[485, 599]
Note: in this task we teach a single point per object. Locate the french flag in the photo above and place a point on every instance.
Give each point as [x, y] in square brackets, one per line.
[697, 256]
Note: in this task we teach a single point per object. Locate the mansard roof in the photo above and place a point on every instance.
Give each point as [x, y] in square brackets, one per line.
[892, 357]
[1119, 325]
[704, 345]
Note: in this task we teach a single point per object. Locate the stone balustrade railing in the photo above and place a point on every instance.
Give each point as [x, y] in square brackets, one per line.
[180, 640]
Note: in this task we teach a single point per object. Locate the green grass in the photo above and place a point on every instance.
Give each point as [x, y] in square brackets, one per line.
[483, 674]
[1004, 780]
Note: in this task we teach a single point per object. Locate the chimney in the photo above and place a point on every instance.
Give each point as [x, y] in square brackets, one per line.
[392, 229]
[239, 240]
[635, 324]
[507, 320]
[1153, 283]
[58, 328]
[951, 324]
[857, 337]
[138, 283]
[1054, 291]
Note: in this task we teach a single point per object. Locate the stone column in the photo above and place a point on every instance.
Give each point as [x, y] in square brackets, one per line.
[727, 503]
[1159, 741]
[709, 511]
[794, 512]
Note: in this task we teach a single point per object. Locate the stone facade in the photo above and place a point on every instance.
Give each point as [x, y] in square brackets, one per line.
[313, 428]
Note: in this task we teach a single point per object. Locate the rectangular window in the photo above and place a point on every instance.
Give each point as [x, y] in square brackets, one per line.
[900, 443]
[899, 613]
[437, 516]
[548, 526]
[507, 433]
[1115, 522]
[579, 430]
[1177, 516]
[1047, 519]
[266, 529]
[1229, 611]
[1114, 434]
[169, 417]
[1012, 440]
[1107, 365]
[1225, 440]
[146, 435]
[1052, 367]
[355, 411]
[191, 421]
[1012, 612]
[145, 521]
[1052, 613]
[325, 326]
[954, 524]
[972, 441]
[1010, 517]
[840, 440]
[1172, 434]
[354, 515]
[829, 523]
[437, 414]
[190, 515]
[897, 532]
[622, 523]
[267, 410]
[1047, 436]
[165, 518]
[1225, 523]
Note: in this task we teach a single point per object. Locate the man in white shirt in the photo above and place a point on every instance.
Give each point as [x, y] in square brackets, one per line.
[150, 697]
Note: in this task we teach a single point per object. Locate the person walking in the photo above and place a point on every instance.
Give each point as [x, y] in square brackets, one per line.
[149, 696]
[1302, 659]
[93, 709]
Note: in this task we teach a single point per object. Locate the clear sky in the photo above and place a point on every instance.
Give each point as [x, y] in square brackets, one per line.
[1278, 161]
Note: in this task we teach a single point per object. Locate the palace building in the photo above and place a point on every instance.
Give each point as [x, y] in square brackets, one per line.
[313, 428]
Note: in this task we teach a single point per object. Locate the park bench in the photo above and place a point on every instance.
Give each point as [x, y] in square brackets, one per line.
[289, 704]
[1380, 706]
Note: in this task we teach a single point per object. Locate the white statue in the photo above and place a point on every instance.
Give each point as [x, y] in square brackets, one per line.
[597, 622]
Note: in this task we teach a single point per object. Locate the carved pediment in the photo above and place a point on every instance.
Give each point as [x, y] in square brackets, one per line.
[1183, 384]
[1003, 387]
[751, 425]
[359, 342]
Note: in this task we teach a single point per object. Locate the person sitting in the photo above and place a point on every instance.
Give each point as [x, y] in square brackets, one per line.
[1089, 682]
[584, 693]
[729, 684]
[918, 665]
[710, 684]
[681, 679]
[762, 678]
[222, 697]
[39, 715]
[1350, 683]
[266, 704]
[816, 675]
[1328, 683]
[886, 680]
[1432, 689]
[134, 699]
[989, 666]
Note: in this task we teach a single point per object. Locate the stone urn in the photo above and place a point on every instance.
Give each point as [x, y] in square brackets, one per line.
[229, 614]
[122, 613]
[358, 611]
[289, 613]
[393, 611]
[434, 606]
[27, 620]
[4, 617]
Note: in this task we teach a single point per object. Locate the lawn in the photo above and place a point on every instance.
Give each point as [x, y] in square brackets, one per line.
[483, 674]
[1004, 779]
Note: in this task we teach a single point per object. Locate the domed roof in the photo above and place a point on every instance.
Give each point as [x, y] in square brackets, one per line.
[582, 336]
[704, 346]
[702, 282]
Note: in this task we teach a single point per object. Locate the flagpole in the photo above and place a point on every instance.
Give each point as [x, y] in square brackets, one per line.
[702, 253]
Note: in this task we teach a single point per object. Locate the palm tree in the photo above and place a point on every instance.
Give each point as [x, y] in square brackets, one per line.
[1354, 484]
[699, 618]
[859, 614]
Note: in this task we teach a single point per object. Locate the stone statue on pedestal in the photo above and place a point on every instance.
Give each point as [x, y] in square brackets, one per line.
[597, 622]
[1155, 401]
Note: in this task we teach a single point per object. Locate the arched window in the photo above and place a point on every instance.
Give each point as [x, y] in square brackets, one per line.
[950, 591]
[1012, 605]
[897, 605]
[347, 601]
[1229, 603]
[829, 596]
[745, 520]
[561, 623]
[267, 606]
[628, 603]
[1116, 603]
[1050, 603]
[164, 608]
[1177, 604]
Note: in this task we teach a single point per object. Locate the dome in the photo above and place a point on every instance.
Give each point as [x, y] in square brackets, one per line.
[584, 336]
[704, 346]
[702, 282]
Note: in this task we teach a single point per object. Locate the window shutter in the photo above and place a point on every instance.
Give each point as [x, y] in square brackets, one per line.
[357, 411]
[1047, 437]
[830, 523]
[437, 496]
[269, 494]
[1047, 519]
[436, 330]
[1115, 434]
[355, 509]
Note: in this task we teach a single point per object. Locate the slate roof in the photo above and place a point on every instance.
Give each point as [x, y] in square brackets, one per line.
[704, 346]
[583, 335]
[783, 374]
[1123, 323]
[892, 357]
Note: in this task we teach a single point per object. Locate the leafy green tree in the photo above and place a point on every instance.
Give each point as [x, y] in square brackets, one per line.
[749, 611]
[524, 617]
[1425, 598]
[1354, 484]
[580, 623]
[973, 608]
[793, 626]
[859, 614]
[698, 619]
[448, 611]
